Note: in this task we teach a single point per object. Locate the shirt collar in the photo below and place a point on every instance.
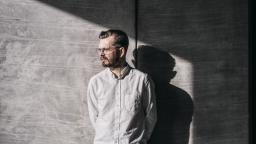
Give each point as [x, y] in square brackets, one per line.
[124, 72]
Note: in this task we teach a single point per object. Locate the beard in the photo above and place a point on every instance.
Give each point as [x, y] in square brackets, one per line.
[110, 63]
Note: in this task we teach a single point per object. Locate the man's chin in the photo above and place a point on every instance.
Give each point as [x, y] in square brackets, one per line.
[106, 65]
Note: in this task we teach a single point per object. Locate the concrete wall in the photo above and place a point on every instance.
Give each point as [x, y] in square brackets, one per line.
[208, 39]
[196, 51]
[47, 56]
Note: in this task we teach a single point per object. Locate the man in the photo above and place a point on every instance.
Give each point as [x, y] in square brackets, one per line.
[121, 100]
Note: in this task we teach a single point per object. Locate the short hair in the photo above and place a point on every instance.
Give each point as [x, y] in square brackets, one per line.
[121, 38]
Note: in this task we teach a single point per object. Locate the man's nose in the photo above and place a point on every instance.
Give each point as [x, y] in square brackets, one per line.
[102, 52]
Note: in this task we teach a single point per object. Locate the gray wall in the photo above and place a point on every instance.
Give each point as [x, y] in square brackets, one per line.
[213, 37]
[47, 57]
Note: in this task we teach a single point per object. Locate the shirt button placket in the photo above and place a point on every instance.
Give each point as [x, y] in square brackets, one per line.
[117, 113]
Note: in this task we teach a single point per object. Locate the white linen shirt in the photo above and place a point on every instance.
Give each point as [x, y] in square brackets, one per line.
[122, 110]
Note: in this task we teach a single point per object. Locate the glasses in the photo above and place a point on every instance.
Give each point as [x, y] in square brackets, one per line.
[105, 50]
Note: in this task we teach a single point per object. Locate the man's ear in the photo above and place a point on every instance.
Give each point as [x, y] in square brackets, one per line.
[121, 52]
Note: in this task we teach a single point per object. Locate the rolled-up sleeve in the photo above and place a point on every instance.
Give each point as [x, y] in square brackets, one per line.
[92, 103]
[149, 102]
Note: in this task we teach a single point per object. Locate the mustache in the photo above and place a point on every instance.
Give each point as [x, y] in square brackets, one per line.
[103, 58]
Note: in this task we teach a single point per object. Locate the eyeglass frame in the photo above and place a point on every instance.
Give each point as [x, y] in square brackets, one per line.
[106, 50]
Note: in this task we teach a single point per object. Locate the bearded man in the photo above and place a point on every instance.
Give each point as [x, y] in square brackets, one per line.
[121, 100]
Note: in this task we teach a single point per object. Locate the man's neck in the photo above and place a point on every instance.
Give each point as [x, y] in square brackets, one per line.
[117, 70]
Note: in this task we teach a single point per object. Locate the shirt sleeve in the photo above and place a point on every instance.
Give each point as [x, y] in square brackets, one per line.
[150, 108]
[92, 103]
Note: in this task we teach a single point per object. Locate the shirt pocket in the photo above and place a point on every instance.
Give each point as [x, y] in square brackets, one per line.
[132, 102]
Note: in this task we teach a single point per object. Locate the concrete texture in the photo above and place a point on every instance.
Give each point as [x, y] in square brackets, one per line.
[213, 37]
[47, 56]
[196, 52]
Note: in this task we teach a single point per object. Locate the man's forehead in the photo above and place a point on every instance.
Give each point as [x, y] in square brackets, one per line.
[107, 42]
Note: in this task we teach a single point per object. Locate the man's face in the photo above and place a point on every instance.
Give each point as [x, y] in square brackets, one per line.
[109, 55]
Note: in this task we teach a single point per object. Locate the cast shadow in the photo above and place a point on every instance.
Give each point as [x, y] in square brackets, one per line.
[174, 105]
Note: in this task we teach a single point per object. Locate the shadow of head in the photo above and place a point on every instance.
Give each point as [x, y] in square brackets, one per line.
[158, 64]
[174, 105]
